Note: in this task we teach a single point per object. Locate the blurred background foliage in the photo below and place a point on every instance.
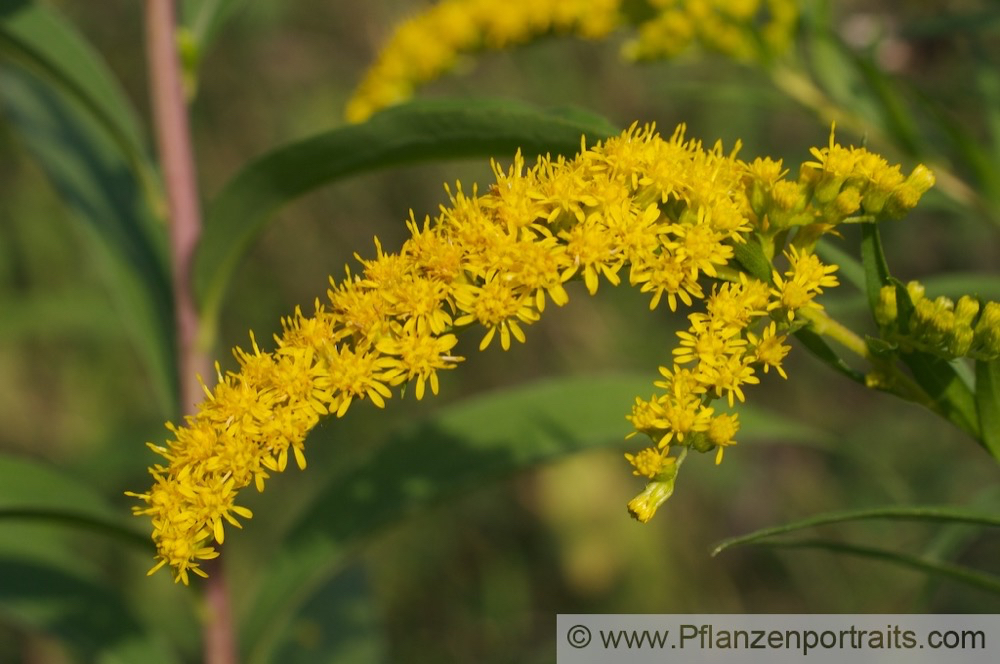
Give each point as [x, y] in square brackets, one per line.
[480, 576]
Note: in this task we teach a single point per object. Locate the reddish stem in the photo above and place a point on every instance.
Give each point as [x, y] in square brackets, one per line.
[173, 139]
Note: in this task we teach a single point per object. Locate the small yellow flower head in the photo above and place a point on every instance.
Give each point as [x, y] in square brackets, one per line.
[806, 278]
[769, 349]
[987, 332]
[881, 187]
[905, 196]
[643, 507]
[650, 462]
[721, 432]
[916, 291]
[966, 310]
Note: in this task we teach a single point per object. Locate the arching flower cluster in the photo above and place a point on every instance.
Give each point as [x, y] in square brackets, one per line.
[665, 214]
[427, 45]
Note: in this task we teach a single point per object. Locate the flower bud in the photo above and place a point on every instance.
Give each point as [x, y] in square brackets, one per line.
[887, 310]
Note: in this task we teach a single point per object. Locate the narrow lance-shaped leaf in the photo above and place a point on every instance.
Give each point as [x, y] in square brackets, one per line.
[93, 179]
[951, 395]
[90, 617]
[462, 447]
[946, 514]
[32, 491]
[988, 404]
[419, 131]
[960, 573]
[38, 38]
[873, 259]
[751, 256]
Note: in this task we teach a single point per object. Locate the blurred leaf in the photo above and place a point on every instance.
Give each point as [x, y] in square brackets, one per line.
[957, 284]
[414, 132]
[896, 118]
[819, 348]
[988, 84]
[873, 259]
[71, 314]
[945, 24]
[89, 617]
[968, 576]
[93, 179]
[341, 622]
[39, 39]
[30, 490]
[204, 18]
[988, 404]
[460, 448]
[837, 73]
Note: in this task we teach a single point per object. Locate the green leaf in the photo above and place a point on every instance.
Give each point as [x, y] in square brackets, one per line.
[988, 404]
[873, 259]
[345, 618]
[38, 38]
[895, 116]
[74, 313]
[960, 573]
[414, 132]
[943, 514]
[57, 591]
[950, 394]
[460, 448]
[957, 284]
[751, 256]
[947, 515]
[204, 18]
[93, 179]
[32, 491]
[88, 616]
[818, 347]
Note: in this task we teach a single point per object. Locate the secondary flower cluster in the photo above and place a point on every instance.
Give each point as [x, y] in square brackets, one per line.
[429, 44]
[669, 214]
[967, 328]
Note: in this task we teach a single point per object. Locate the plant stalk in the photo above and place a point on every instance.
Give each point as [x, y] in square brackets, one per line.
[176, 153]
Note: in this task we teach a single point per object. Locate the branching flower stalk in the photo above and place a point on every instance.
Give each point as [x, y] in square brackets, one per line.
[694, 228]
[759, 32]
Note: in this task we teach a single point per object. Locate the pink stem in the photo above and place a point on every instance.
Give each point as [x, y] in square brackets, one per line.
[173, 138]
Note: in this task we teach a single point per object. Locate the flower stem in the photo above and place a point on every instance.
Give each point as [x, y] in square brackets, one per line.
[173, 139]
[895, 380]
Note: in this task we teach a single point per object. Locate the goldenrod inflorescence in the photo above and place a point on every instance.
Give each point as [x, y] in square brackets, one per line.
[429, 44]
[668, 215]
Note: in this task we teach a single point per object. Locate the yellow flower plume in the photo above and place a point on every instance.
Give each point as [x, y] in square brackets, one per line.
[430, 43]
[667, 214]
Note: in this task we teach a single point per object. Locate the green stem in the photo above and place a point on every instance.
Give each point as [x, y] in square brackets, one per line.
[896, 381]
